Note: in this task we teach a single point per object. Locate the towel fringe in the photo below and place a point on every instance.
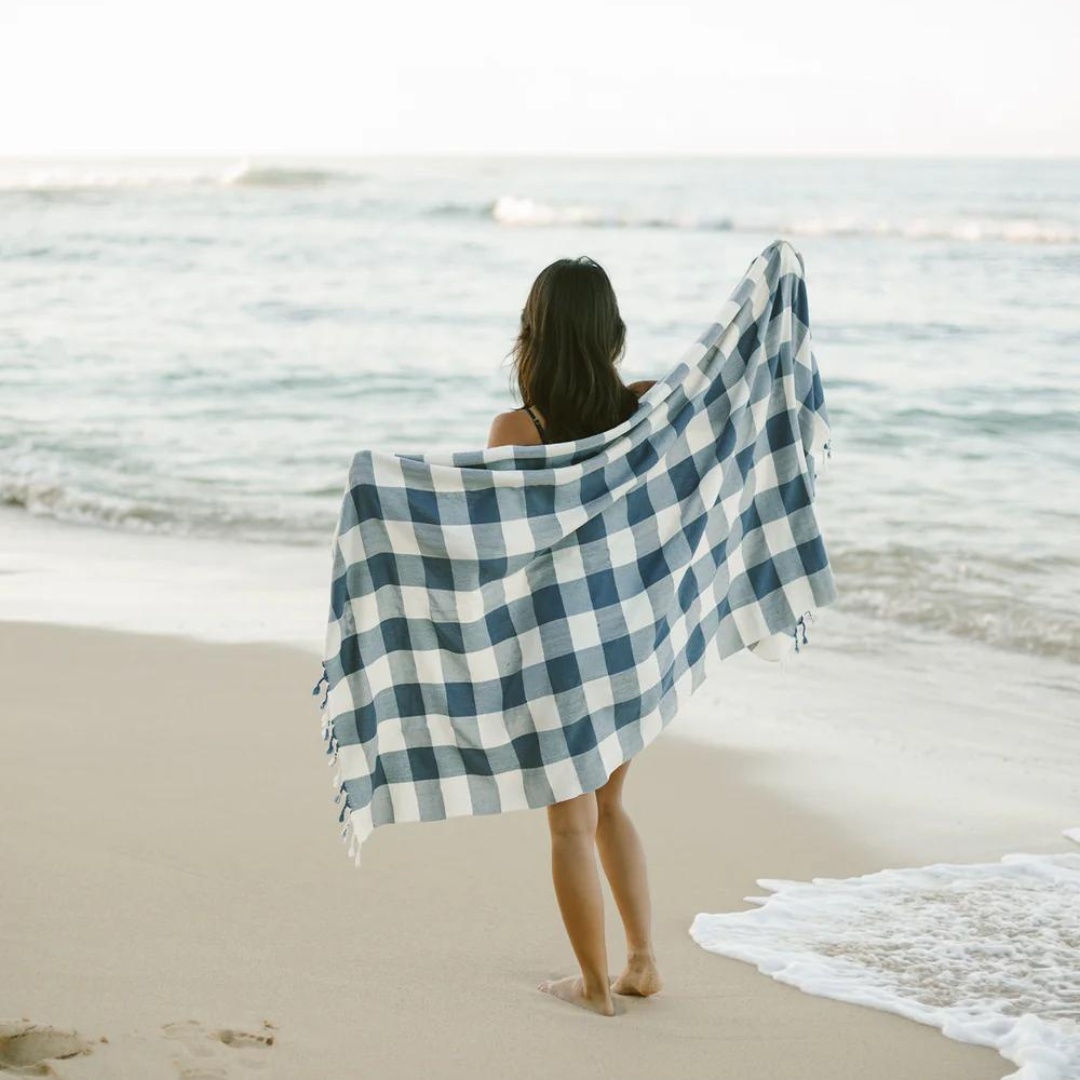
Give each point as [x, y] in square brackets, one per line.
[338, 784]
[804, 618]
[323, 678]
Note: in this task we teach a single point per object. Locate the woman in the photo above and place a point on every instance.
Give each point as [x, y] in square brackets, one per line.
[565, 356]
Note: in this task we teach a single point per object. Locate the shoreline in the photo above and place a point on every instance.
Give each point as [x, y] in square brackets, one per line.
[981, 746]
[181, 787]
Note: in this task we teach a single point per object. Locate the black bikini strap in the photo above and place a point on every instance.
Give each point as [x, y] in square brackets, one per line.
[536, 422]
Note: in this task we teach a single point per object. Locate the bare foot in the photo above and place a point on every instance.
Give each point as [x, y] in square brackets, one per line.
[572, 989]
[640, 979]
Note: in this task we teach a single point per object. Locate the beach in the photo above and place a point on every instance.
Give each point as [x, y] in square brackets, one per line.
[191, 352]
[174, 884]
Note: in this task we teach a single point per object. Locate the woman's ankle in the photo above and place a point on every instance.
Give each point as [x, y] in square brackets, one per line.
[640, 956]
[596, 987]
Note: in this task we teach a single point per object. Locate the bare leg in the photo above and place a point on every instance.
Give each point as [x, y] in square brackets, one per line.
[623, 858]
[577, 888]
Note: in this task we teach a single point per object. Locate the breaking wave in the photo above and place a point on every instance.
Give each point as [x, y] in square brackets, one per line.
[169, 516]
[54, 500]
[517, 211]
[249, 175]
[58, 179]
[512, 210]
[988, 953]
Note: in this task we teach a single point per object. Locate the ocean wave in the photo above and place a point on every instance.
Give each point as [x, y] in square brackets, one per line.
[517, 211]
[64, 179]
[1010, 231]
[514, 211]
[53, 500]
[510, 210]
[986, 952]
[170, 516]
[60, 179]
[1001, 602]
[249, 175]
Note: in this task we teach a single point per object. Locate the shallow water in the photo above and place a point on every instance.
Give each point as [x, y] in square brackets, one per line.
[987, 952]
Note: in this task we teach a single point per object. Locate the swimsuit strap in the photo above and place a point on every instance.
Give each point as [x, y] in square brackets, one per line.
[536, 422]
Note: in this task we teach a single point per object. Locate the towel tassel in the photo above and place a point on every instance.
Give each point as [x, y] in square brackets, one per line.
[324, 678]
[806, 617]
[348, 832]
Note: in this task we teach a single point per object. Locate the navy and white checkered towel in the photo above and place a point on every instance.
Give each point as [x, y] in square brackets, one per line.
[509, 625]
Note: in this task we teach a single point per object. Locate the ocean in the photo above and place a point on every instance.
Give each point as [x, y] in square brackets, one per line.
[196, 348]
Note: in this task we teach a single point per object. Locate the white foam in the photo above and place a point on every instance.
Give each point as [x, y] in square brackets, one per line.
[59, 176]
[987, 952]
[78, 176]
[511, 210]
[514, 210]
[518, 211]
[53, 499]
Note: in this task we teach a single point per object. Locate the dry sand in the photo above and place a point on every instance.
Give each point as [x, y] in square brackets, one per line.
[173, 883]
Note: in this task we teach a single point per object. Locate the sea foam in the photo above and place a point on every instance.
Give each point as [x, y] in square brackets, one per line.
[60, 177]
[515, 210]
[988, 952]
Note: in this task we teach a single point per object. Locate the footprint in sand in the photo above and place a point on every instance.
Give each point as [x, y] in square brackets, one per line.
[26, 1049]
[210, 1053]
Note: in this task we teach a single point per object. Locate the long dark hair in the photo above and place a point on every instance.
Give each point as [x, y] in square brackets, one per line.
[567, 350]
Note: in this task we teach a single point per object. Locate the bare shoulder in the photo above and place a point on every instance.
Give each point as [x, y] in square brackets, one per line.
[642, 386]
[512, 428]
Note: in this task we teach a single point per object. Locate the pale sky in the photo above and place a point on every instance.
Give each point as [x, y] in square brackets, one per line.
[950, 77]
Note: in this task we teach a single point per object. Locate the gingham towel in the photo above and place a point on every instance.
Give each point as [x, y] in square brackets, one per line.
[509, 625]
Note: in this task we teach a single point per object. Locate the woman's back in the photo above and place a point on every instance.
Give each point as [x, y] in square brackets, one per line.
[526, 425]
